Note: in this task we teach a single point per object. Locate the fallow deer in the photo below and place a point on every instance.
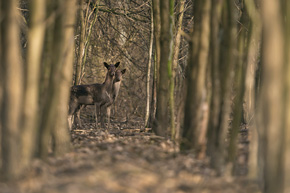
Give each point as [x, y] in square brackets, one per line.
[116, 87]
[93, 94]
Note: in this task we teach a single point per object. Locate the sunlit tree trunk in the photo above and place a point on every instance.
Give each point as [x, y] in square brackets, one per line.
[31, 93]
[55, 110]
[176, 132]
[287, 118]
[271, 97]
[60, 131]
[250, 95]
[11, 107]
[148, 80]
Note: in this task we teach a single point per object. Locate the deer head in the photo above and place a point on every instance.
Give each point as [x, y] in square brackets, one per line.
[119, 74]
[111, 68]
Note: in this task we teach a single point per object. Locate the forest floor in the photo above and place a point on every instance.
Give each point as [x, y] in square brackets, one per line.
[127, 159]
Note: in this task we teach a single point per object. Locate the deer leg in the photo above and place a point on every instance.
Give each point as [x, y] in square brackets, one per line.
[97, 109]
[108, 116]
[69, 119]
[102, 116]
[78, 115]
[73, 106]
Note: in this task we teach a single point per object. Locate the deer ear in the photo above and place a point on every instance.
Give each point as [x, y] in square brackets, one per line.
[117, 64]
[123, 71]
[106, 65]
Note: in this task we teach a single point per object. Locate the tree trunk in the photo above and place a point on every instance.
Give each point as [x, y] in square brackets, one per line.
[55, 112]
[171, 74]
[196, 94]
[156, 22]
[147, 110]
[31, 93]
[81, 44]
[215, 78]
[60, 131]
[287, 112]
[271, 97]
[11, 107]
[161, 120]
[252, 60]
[178, 28]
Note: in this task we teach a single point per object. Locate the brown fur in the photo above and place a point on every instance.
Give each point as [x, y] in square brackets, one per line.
[93, 94]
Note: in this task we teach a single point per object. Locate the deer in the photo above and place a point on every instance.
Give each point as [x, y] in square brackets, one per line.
[116, 88]
[93, 94]
[106, 107]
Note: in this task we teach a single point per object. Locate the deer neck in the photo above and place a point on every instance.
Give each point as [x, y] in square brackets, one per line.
[116, 88]
[108, 84]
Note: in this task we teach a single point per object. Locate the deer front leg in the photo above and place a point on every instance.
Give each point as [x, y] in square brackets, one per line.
[102, 117]
[97, 109]
[108, 109]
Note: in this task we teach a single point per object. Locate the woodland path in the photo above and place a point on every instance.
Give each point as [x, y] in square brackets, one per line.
[127, 160]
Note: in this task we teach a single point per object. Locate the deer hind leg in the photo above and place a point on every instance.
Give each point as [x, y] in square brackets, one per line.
[73, 107]
[77, 115]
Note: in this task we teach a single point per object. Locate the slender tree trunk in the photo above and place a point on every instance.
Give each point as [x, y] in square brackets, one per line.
[161, 120]
[271, 97]
[198, 62]
[11, 107]
[55, 115]
[218, 130]
[250, 106]
[156, 22]
[81, 43]
[287, 101]
[175, 133]
[31, 93]
[215, 78]
[239, 87]
[60, 131]
[147, 111]
[171, 74]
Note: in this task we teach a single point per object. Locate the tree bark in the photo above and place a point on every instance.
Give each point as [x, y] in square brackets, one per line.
[11, 107]
[196, 94]
[250, 106]
[270, 105]
[178, 28]
[31, 93]
[81, 52]
[60, 131]
[156, 22]
[55, 115]
[161, 120]
[148, 80]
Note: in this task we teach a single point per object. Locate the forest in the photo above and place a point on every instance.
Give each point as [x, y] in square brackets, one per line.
[144, 96]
